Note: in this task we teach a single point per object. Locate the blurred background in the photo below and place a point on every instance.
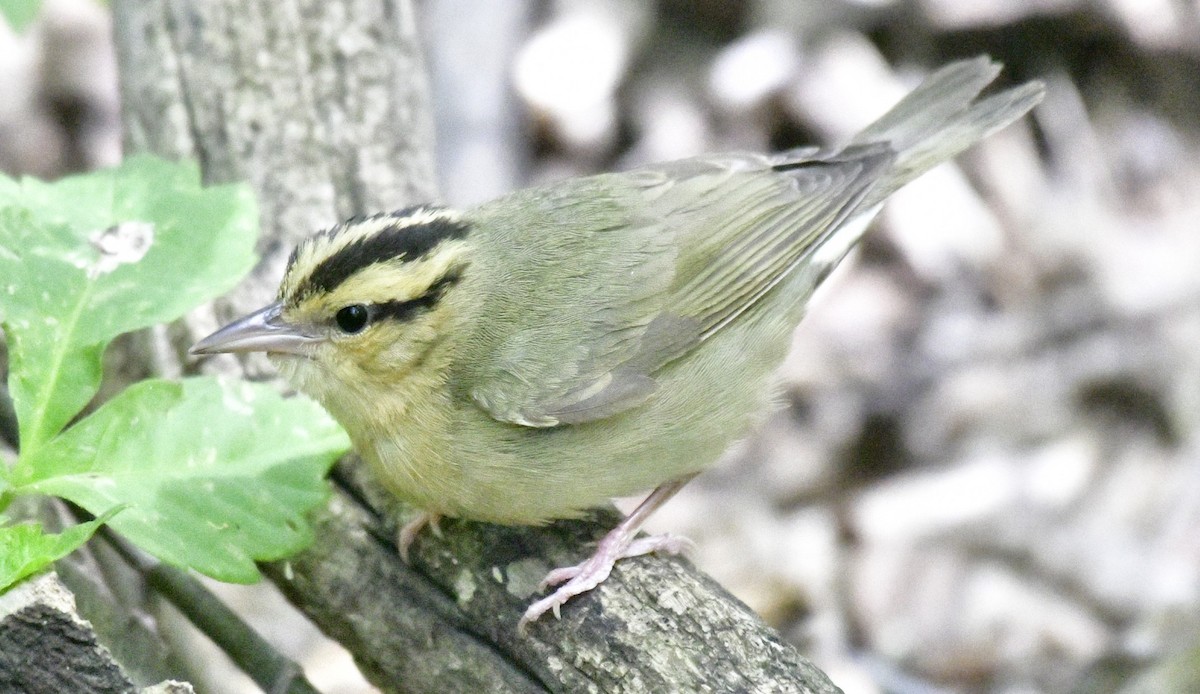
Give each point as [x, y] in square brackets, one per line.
[985, 475]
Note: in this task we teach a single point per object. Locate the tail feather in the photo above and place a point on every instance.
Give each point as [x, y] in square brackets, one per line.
[941, 118]
[942, 95]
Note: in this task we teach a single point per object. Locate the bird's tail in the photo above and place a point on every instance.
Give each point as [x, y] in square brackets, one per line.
[941, 118]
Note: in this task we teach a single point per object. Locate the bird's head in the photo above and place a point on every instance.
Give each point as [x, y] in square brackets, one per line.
[361, 305]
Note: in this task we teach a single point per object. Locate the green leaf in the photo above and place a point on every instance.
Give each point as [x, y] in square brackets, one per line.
[20, 13]
[89, 257]
[217, 474]
[26, 549]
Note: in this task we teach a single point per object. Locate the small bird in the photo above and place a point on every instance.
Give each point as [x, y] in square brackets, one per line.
[541, 353]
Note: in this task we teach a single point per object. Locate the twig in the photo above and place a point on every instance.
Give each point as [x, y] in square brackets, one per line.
[266, 666]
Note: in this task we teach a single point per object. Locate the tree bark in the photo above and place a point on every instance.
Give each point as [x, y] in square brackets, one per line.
[322, 107]
[45, 646]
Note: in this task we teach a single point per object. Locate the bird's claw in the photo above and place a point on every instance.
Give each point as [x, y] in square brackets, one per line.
[588, 574]
[409, 531]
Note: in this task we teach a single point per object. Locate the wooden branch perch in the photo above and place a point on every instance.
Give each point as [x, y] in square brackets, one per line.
[45, 646]
[322, 107]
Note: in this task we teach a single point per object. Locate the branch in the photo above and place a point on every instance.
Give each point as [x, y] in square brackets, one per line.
[45, 646]
[257, 658]
[322, 107]
[448, 621]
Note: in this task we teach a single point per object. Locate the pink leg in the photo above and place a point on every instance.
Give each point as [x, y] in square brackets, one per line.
[619, 543]
[409, 531]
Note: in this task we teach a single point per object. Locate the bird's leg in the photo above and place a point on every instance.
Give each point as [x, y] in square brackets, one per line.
[409, 531]
[619, 543]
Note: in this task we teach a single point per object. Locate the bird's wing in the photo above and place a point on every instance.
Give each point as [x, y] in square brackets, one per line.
[600, 282]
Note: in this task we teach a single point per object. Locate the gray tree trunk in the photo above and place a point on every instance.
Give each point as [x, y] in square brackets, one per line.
[322, 107]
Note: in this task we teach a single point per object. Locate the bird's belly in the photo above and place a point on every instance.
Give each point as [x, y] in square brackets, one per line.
[511, 474]
[514, 474]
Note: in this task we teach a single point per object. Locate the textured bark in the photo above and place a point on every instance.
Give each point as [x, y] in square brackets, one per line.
[322, 107]
[46, 647]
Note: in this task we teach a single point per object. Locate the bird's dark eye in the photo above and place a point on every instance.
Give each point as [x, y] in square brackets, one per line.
[352, 319]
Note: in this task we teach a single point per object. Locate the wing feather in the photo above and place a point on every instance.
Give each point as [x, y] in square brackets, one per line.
[664, 257]
[592, 285]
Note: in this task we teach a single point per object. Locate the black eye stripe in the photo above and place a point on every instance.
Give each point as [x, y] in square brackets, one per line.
[409, 243]
[410, 309]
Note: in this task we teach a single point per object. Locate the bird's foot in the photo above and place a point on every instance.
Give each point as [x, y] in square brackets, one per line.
[579, 579]
[409, 531]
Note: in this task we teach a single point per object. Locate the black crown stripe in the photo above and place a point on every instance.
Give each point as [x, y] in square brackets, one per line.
[405, 242]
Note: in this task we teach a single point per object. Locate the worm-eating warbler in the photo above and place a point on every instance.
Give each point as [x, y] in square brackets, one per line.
[538, 354]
